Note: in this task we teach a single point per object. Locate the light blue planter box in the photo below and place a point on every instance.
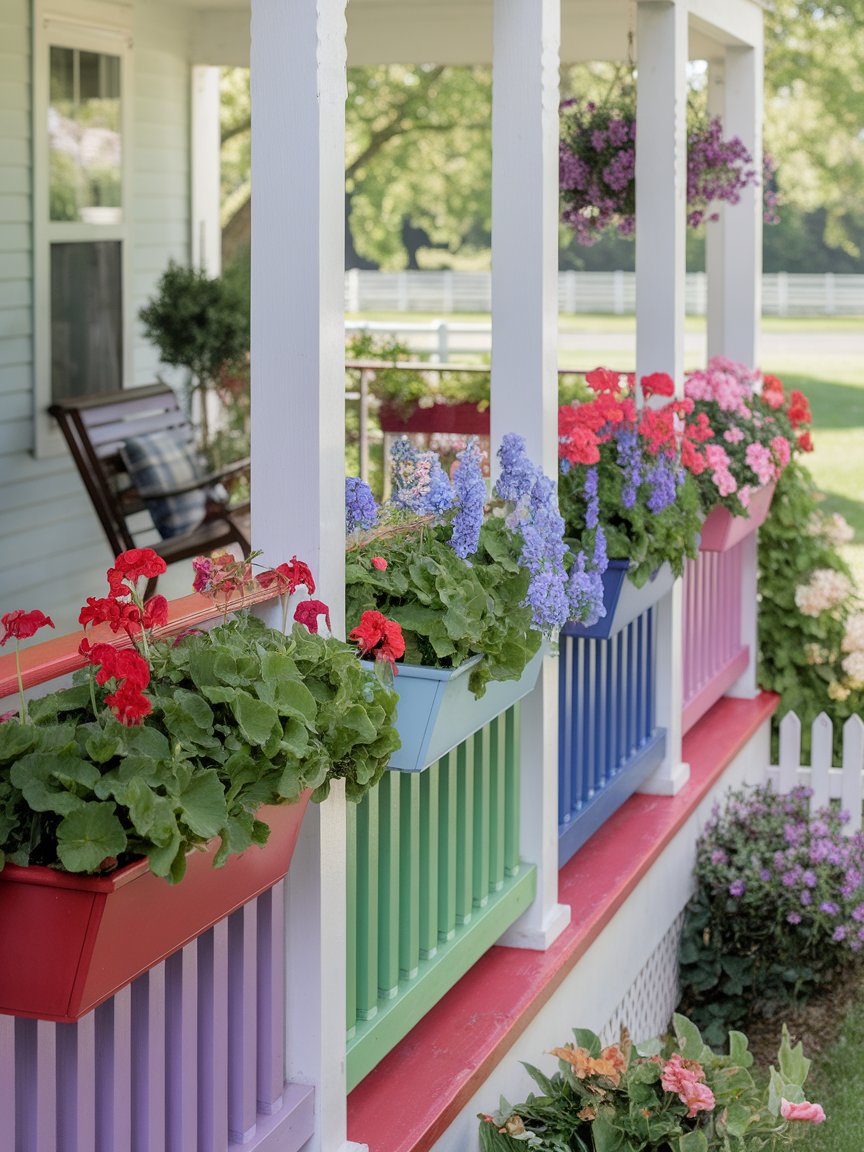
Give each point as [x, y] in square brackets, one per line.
[437, 710]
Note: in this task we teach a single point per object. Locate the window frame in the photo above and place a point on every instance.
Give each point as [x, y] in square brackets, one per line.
[56, 25]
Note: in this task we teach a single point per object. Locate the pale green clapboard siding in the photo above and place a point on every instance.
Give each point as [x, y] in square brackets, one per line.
[47, 523]
[433, 882]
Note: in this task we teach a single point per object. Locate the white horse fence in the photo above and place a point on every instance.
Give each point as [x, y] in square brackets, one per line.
[827, 782]
[783, 293]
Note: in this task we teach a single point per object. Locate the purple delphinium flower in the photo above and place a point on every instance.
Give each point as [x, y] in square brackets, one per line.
[585, 591]
[629, 460]
[839, 933]
[420, 485]
[661, 481]
[793, 918]
[518, 472]
[829, 908]
[361, 511]
[737, 888]
[470, 499]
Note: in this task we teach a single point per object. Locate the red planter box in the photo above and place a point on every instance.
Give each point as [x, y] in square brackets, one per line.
[69, 942]
[722, 531]
[464, 419]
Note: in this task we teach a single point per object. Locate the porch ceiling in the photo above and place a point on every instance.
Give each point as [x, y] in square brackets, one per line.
[460, 31]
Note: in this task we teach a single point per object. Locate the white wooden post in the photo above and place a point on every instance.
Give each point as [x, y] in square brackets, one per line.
[206, 225]
[661, 188]
[526, 43]
[733, 244]
[734, 263]
[298, 436]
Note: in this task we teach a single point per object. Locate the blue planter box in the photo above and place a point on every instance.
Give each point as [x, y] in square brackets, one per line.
[437, 710]
[623, 600]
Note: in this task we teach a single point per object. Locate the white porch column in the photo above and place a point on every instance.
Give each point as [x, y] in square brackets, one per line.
[298, 98]
[733, 244]
[206, 225]
[661, 190]
[734, 272]
[524, 369]
[734, 265]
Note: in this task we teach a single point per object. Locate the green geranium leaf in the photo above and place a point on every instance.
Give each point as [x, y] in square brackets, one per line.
[255, 718]
[54, 783]
[88, 836]
[16, 739]
[202, 805]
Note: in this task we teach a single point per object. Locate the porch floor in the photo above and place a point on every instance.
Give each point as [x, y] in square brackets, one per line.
[410, 1099]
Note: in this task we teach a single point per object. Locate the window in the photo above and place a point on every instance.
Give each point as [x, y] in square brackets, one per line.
[81, 145]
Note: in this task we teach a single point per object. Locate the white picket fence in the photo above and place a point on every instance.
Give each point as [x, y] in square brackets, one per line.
[446, 291]
[826, 781]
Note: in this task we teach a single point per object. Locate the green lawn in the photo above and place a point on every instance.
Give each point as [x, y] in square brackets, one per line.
[835, 1083]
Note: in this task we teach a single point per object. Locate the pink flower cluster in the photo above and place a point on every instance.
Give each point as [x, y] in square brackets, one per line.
[686, 1078]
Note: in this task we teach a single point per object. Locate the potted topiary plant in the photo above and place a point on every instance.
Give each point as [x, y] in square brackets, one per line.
[199, 323]
[167, 756]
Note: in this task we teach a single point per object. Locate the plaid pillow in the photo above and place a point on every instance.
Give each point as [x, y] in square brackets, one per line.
[159, 462]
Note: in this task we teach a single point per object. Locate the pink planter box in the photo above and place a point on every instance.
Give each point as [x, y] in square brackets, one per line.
[722, 531]
[69, 942]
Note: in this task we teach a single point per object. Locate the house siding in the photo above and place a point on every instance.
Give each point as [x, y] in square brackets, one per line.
[52, 550]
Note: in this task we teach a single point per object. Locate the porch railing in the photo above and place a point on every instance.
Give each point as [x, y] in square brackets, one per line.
[188, 1056]
[608, 739]
[714, 653]
[434, 879]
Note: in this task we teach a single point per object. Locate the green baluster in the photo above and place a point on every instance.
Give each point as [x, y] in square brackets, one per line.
[409, 874]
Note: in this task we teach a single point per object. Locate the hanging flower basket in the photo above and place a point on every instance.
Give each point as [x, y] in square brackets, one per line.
[623, 600]
[722, 531]
[437, 710]
[70, 942]
[597, 169]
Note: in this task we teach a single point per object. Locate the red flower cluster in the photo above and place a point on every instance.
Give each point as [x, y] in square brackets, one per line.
[583, 428]
[21, 625]
[308, 611]
[289, 577]
[124, 611]
[379, 637]
[132, 673]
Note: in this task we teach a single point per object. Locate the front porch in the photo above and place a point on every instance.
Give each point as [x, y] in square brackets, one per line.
[583, 942]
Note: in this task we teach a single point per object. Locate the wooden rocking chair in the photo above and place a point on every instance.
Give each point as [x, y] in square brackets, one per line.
[135, 450]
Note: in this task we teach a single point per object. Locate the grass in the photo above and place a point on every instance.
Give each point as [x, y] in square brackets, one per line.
[837, 1082]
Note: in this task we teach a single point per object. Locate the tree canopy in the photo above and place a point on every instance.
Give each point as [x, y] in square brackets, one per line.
[418, 151]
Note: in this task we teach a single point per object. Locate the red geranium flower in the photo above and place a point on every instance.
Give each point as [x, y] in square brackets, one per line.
[156, 612]
[579, 447]
[138, 562]
[692, 460]
[603, 380]
[380, 563]
[658, 384]
[805, 442]
[772, 392]
[106, 610]
[289, 577]
[799, 409]
[21, 625]
[379, 637]
[129, 705]
[308, 611]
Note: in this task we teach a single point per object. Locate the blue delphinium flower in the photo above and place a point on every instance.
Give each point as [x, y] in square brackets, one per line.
[585, 591]
[661, 481]
[517, 472]
[469, 500]
[629, 460]
[420, 484]
[361, 511]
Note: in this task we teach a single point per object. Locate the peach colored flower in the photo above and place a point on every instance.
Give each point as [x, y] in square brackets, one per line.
[810, 1113]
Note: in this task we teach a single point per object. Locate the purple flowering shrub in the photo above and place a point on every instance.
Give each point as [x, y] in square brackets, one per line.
[463, 574]
[778, 909]
[597, 169]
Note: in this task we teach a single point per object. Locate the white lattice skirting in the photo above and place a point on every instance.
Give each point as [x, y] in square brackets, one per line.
[647, 1006]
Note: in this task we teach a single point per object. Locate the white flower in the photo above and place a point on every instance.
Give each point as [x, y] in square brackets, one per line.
[853, 641]
[824, 591]
[853, 666]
